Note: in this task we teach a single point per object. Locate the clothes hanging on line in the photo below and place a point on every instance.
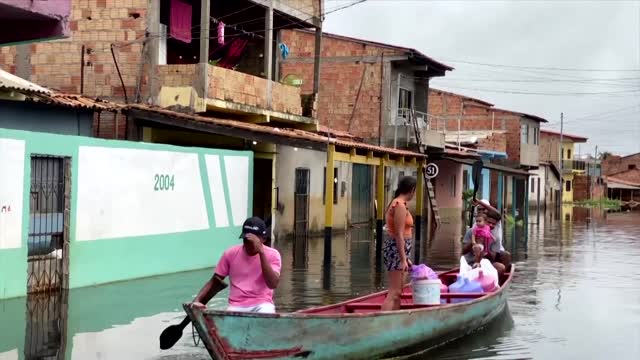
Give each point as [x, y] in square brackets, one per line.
[284, 50]
[229, 55]
[221, 33]
[180, 21]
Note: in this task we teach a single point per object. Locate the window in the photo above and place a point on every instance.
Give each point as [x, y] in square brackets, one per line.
[568, 186]
[533, 185]
[335, 185]
[569, 154]
[405, 99]
[524, 134]
[453, 186]
[536, 136]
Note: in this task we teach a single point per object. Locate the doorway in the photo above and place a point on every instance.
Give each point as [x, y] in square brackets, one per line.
[48, 238]
[361, 202]
[301, 217]
[263, 188]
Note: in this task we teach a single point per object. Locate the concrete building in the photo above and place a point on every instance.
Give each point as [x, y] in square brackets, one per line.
[612, 164]
[368, 91]
[510, 140]
[25, 21]
[562, 156]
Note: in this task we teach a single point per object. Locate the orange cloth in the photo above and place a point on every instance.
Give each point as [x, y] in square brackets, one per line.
[408, 224]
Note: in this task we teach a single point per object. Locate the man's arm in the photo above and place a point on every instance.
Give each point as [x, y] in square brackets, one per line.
[271, 277]
[467, 244]
[486, 206]
[210, 289]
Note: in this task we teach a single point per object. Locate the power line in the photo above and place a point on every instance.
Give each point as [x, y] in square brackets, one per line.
[524, 92]
[540, 67]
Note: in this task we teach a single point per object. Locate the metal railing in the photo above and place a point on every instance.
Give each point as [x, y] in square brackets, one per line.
[574, 165]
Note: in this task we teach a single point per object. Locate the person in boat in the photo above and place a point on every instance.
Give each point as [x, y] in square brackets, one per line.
[481, 239]
[501, 258]
[396, 248]
[253, 269]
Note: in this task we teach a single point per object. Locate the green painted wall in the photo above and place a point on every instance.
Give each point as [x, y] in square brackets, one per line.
[106, 260]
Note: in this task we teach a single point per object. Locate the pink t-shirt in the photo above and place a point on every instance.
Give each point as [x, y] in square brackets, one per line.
[248, 287]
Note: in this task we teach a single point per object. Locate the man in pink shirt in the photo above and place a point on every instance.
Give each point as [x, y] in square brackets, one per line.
[254, 271]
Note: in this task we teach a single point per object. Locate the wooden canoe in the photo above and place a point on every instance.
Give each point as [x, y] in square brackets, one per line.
[354, 329]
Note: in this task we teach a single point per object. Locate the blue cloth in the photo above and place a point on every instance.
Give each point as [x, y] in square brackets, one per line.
[284, 50]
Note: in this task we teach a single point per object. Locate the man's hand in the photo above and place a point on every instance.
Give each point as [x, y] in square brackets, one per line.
[255, 241]
[197, 304]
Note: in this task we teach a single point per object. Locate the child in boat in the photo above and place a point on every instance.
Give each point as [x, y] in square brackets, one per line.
[481, 238]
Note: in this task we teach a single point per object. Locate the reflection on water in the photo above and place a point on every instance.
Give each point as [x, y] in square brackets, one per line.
[576, 294]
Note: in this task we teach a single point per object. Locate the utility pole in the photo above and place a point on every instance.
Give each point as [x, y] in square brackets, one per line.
[561, 153]
[595, 166]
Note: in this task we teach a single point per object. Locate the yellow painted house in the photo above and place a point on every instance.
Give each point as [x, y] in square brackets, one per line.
[553, 148]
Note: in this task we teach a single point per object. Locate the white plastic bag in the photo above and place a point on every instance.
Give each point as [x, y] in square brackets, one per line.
[465, 268]
[488, 270]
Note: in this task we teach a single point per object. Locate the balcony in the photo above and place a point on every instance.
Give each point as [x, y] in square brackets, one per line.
[232, 93]
[574, 166]
[430, 135]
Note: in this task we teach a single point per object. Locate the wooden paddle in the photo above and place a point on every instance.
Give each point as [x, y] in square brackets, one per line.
[476, 171]
[173, 333]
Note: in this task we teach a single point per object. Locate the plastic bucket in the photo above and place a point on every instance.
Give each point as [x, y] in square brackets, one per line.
[426, 292]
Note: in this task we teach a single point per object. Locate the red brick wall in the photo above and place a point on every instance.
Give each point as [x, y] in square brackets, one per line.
[340, 79]
[549, 147]
[495, 142]
[615, 164]
[632, 176]
[580, 187]
[95, 24]
[477, 116]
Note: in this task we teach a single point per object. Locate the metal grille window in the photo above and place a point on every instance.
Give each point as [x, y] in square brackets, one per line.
[301, 216]
[48, 193]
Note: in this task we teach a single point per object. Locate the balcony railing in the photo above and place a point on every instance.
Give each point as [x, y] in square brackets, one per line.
[234, 91]
[574, 165]
[405, 121]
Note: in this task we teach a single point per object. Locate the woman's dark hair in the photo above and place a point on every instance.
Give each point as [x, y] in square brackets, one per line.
[406, 185]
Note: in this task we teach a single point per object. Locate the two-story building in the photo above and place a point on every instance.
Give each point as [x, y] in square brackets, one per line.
[561, 155]
[215, 58]
[26, 21]
[509, 139]
[370, 91]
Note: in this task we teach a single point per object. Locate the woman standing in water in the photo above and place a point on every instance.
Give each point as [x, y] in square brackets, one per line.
[397, 243]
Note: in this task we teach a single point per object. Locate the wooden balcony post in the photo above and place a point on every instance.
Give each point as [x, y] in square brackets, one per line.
[268, 52]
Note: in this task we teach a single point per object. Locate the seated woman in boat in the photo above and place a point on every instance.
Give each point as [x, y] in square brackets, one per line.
[254, 271]
[396, 248]
[500, 258]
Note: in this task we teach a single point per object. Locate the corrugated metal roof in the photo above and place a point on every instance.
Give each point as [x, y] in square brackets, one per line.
[575, 138]
[9, 81]
[74, 101]
[469, 136]
[280, 132]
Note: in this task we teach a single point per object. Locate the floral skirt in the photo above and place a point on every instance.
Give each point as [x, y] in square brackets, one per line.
[390, 253]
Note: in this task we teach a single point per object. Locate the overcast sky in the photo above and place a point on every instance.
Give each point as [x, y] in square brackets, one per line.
[526, 43]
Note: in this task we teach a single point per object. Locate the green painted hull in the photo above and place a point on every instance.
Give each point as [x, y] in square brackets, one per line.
[338, 335]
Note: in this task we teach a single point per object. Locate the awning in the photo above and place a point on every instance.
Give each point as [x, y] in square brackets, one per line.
[615, 185]
[491, 166]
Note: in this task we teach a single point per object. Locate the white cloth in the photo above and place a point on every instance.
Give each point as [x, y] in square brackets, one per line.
[265, 308]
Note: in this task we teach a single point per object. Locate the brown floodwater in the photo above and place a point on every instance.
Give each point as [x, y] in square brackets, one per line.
[575, 295]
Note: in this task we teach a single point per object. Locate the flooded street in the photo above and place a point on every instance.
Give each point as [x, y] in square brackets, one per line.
[576, 295]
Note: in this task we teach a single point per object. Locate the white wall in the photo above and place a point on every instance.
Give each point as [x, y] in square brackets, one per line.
[290, 158]
[537, 175]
